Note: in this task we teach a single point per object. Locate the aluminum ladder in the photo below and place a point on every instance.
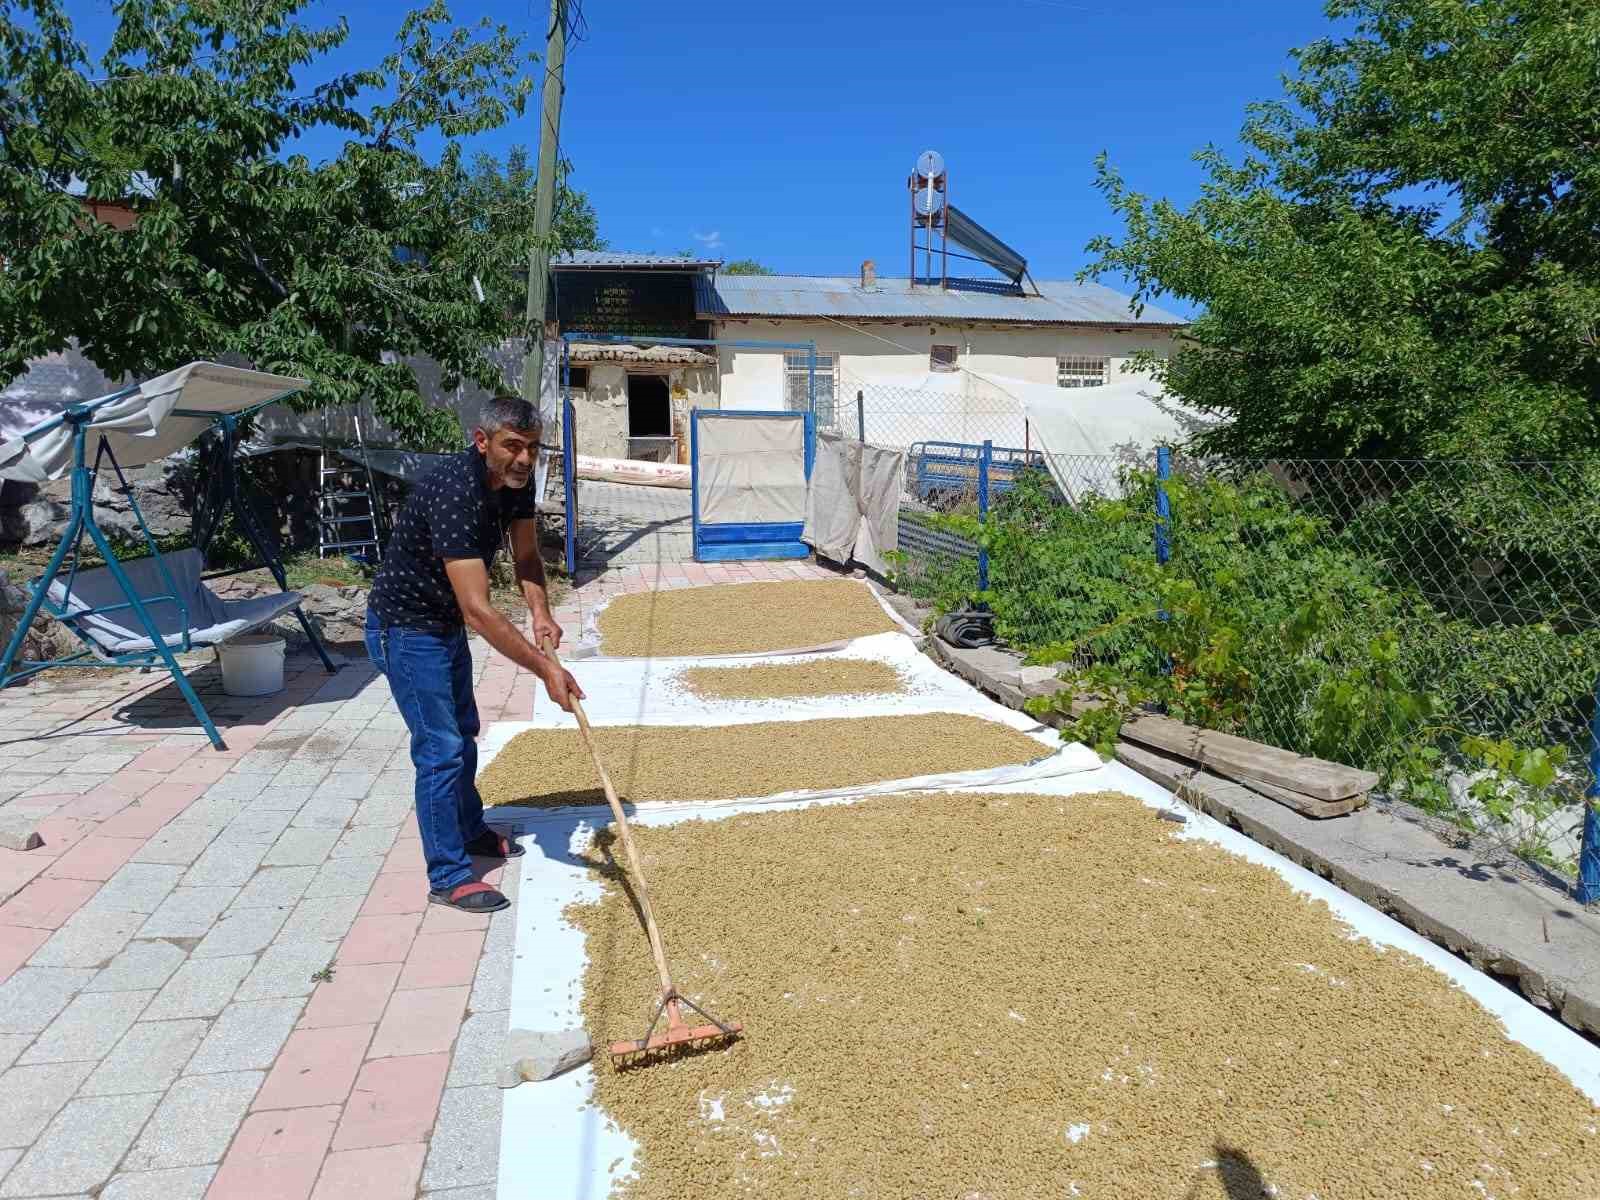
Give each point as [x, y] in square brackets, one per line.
[340, 506]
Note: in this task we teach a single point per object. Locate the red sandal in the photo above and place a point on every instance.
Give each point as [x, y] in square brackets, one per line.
[473, 897]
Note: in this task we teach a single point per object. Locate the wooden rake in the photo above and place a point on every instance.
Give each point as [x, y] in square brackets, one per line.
[678, 1035]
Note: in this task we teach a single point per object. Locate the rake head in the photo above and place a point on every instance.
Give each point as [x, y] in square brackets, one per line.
[678, 1039]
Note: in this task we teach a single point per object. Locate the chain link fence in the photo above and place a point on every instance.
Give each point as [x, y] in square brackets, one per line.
[1436, 622]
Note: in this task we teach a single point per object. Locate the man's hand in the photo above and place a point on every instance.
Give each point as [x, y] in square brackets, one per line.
[561, 686]
[545, 628]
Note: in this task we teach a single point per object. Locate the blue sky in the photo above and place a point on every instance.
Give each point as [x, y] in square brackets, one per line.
[784, 132]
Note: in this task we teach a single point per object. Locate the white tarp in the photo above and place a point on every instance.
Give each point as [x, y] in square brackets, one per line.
[752, 470]
[853, 506]
[556, 1141]
[143, 427]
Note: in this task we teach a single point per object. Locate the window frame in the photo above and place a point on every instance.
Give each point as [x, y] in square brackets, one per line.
[1077, 369]
[944, 367]
[794, 371]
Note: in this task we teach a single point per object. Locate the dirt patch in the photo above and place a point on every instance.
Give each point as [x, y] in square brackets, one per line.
[1028, 996]
[548, 768]
[740, 618]
[811, 677]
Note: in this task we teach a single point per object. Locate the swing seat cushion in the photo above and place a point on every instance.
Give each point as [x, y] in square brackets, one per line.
[211, 619]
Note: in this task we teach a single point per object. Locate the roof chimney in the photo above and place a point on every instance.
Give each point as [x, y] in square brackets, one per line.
[869, 274]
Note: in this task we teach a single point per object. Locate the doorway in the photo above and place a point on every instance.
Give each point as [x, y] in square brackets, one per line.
[650, 419]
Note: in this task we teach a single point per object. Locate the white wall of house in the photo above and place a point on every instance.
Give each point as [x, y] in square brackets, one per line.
[892, 354]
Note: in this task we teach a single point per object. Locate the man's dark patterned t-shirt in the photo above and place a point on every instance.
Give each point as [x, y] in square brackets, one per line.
[451, 513]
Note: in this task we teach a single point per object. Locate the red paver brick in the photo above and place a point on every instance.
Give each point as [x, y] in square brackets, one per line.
[60, 834]
[395, 1100]
[442, 959]
[356, 995]
[397, 892]
[163, 759]
[96, 857]
[19, 866]
[46, 903]
[405, 856]
[148, 814]
[17, 944]
[202, 768]
[441, 918]
[276, 1156]
[316, 1066]
[387, 1174]
[133, 783]
[97, 804]
[379, 939]
[421, 1022]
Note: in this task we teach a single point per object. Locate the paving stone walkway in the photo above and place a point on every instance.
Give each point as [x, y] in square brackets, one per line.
[219, 976]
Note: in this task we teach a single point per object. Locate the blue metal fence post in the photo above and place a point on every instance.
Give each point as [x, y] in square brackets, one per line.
[1163, 506]
[1589, 855]
[983, 511]
[569, 482]
[811, 377]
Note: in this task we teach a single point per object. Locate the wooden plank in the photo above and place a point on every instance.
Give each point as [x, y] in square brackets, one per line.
[1298, 801]
[1183, 779]
[1246, 761]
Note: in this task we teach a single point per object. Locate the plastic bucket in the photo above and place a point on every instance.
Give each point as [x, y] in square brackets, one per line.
[252, 665]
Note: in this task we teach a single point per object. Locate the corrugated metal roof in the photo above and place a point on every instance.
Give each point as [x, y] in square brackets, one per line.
[594, 260]
[1063, 302]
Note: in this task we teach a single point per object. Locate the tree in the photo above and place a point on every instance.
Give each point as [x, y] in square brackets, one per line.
[746, 266]
[334, 270]
[1405, 261]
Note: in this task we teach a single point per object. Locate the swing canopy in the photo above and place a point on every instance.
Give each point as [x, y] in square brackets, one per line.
[144, 424]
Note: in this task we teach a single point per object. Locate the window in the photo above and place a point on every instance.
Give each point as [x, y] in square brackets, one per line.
[578, 378]
[1081, 370]
[794, 385]
[942, 358]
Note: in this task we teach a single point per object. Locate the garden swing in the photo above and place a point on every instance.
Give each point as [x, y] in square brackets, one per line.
[145, 611]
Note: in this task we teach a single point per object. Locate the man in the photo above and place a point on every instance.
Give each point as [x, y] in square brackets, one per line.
[432, 587]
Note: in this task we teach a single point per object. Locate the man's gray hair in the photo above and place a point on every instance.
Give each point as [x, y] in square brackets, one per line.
[508, 412]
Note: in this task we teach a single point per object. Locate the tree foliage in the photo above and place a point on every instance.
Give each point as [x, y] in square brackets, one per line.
[1405, 262]
[746, 266]
[333, 270]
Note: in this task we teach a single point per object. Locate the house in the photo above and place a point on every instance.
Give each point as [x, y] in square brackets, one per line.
[911, 360]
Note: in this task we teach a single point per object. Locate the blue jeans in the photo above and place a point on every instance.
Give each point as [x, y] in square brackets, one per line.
[431, 677]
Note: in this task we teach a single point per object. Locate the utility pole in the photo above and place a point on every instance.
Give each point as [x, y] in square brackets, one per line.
[555, 61]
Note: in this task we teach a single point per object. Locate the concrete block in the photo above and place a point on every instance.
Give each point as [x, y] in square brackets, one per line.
[149, 1058]
[322, 919]
[258, 825]
[189, 912]
[11, 1047]
[533, 1055]
[179, 1183]
[301, 847]
[246, 1037]
[491, 985]
[285, 969]
[88, 1027]
[140, 965]
[136, 888]
[88, 939]
[345, 877]
[465, 1149]
[19, 832]
[178, 843]
[325, 813]
[201, 988]
[195, 1121]
[479, 1050]
[366, 841]
[30, 1096]
[276, 887]
[241, 931]
[81, 1147]
[225, 864]
[33, 996]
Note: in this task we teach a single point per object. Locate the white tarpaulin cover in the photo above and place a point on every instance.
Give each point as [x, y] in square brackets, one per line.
[752, 469]
[1126, 421]
[853, 506]
[143, 426]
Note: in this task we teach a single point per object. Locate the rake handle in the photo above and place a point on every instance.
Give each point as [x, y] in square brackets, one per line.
[657, 950]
